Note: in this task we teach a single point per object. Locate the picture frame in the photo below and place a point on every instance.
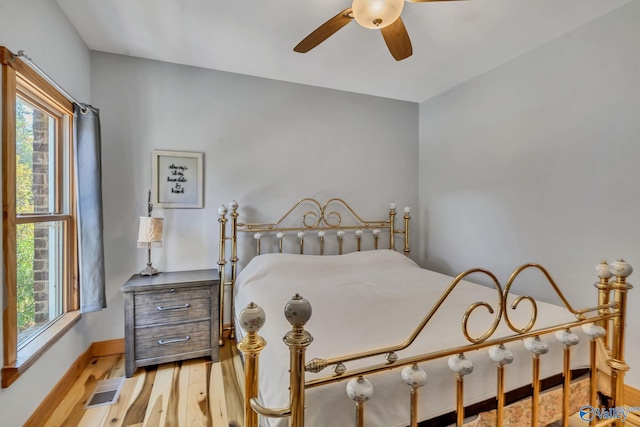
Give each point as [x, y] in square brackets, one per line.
[177, 179]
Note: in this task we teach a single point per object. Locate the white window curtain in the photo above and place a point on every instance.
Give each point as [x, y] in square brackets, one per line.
[89, 203]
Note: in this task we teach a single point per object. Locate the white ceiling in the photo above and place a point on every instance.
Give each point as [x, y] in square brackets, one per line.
[452, 41]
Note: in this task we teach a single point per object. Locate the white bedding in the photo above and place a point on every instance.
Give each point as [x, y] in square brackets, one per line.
[372, 299]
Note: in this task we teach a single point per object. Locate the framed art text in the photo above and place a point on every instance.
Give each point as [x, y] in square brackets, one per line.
[177, 179]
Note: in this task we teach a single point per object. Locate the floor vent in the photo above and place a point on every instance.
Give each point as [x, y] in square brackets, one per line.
[106, 393]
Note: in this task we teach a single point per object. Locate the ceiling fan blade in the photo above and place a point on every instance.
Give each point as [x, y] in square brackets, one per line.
[425, 1]
[324, 31]
[397, 39]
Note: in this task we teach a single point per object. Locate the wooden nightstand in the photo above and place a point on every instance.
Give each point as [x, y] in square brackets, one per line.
[169, 317]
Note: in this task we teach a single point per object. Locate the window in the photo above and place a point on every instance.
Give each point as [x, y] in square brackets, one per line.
[39, 224]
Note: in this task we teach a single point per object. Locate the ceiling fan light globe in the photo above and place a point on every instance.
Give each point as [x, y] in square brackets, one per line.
[376, 14]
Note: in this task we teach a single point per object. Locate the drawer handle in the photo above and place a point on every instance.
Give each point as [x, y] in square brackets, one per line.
[173, 340]
[173, 307]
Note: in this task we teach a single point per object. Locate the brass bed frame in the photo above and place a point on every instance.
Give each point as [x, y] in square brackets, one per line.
[604, 324]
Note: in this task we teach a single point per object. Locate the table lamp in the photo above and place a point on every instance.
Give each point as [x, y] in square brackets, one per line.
[149, 235]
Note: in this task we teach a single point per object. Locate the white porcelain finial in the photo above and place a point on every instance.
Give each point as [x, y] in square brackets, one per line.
[620, 268]
[536, 346]
[297, 311]
[359, 389]
[252, 318]
[358, 233]
[233, 205]
[392, 205]
[567, 337]
[340, 234]
[257, 236]
[301, 234]
[593, 330]
[321, 233]
[460, 364]
[222, 210]
[414, 376]
[500, 354]
[376, 232]
[280, 235]
[407, 209]
[603, 271]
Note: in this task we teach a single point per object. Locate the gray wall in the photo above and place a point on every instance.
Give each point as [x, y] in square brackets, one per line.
[537, 160]
[41, 29]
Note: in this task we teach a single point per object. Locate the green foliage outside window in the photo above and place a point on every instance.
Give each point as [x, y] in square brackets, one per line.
[24, 203]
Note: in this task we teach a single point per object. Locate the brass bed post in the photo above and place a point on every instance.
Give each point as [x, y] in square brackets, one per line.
[222, 261]
[604, 291]
[594, 331]
[297, 312]
[407, 217]
[252, 319]
[234, 260]
[621, 270]
[392, 228]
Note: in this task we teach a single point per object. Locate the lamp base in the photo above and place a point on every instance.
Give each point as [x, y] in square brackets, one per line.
[149, 271]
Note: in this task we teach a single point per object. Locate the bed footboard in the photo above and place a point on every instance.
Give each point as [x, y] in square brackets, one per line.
[603, 324]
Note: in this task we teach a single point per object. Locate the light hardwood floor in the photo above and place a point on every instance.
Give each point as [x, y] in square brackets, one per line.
[191, 393]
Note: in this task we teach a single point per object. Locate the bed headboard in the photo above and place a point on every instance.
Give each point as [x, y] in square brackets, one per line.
[334, 219]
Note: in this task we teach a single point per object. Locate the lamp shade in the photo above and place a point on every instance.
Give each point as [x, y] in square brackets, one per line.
[376, 13]
[150, 232]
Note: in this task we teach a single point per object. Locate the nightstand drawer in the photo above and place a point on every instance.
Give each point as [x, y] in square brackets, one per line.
[169, 306]
[161, 341]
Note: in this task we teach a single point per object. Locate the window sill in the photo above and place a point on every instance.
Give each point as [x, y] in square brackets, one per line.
[37, 347]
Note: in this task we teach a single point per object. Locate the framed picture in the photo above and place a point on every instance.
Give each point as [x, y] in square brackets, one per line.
[177, 179]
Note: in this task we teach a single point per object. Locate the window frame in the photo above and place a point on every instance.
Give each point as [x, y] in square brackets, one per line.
[18, 79]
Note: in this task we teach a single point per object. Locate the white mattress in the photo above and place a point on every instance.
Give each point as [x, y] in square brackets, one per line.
[373, 299]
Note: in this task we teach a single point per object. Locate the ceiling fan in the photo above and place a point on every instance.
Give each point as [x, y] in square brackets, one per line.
[373, 14]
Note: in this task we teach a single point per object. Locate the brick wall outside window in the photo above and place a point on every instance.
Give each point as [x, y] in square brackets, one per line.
[41, 205]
